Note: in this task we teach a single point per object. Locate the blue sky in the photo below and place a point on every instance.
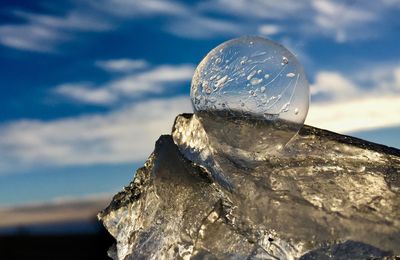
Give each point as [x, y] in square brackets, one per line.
[86, 87]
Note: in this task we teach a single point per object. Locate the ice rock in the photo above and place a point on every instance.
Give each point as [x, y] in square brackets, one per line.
[329, 197]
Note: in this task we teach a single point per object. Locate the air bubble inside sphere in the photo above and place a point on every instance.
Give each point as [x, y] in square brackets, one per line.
[251, 95]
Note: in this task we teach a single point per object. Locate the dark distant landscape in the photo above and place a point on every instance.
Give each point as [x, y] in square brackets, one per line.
[67, 230]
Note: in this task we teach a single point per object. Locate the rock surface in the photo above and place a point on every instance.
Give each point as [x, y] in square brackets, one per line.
[325, 196]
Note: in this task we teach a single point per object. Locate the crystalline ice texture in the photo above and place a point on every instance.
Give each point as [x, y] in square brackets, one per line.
[330, 197]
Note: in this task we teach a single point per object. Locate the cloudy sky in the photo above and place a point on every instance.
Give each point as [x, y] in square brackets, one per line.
[86, 87]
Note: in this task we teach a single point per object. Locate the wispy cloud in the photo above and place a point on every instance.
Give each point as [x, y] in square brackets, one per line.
[85, 93]
[195, 26]
[123, 135]
[133, 9]
[183, 20]
[134, 85]
[341, 21]
[126, 133]
[333, 85]
[121, 65]
[30, 37]
[392, 3]
[42, 33]
[151, 81]
[362, 113]
[256, 9]
[75, 20]
[268, 29]
[352, 105]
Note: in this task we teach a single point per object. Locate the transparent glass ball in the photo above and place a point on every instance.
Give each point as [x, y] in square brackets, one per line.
[250, 94]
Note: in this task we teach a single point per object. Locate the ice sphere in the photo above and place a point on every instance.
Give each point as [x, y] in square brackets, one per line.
[251, 95]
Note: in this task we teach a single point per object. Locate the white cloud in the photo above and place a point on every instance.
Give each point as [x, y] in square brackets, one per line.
[30, 37]
[342, 20]
[41, 33]
[256, 9]
[268, 29]
[121, 65]
[129, 9]
[123, 135]
[363, 113]
[392, 3]
[333, 84]
[353, 106]
[152, 81]
[195, 26]
[183, 20]
[75, 20]
[396, 74]
[86, 94]
[382, 78]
